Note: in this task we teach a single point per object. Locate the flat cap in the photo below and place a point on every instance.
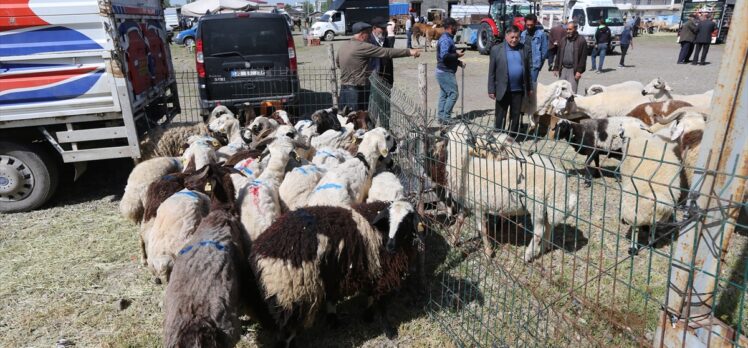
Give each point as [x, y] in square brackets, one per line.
[379, 22]
[359, 27]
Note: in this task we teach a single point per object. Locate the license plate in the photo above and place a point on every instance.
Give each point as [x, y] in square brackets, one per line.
[247, 72]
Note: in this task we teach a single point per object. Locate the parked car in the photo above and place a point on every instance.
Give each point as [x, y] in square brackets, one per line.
[245, 57]
[187, 37]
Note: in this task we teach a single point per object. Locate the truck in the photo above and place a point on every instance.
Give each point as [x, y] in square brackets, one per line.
[344, 13]
[587, 14]
[80, 81]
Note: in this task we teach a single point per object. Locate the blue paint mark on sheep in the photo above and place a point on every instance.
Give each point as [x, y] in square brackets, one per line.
[188, 193]
[328, 186]
[306, 169]
[217, 245]
[167, 177]
[325, 153]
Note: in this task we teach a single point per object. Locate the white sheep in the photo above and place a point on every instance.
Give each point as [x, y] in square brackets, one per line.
[328, 158]
[686, 130]
[218, 111]
[385, 187]
[659, 90]
[506, 187]
[349, 182]
[132, 205]
[228, 125]
[298, 185]
[607, 104]
[650, 185]
[258, 201]
[175, 223]
[618, 87]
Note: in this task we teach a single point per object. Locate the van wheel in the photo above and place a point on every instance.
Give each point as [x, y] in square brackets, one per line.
[329, 35]
[189, 42]
[28, 177]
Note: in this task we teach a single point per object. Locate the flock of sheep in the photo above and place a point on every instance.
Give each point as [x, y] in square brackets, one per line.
[280, 221]
[272, 220]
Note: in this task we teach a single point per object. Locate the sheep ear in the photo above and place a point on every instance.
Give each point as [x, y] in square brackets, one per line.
[346, 110]
[668, 88]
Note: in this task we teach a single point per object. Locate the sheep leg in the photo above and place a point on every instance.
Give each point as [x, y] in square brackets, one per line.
[587, 170]
[485, 231]
[389, 330]
[143, 253]
[540, 239]
[332, 314]
[634, 236]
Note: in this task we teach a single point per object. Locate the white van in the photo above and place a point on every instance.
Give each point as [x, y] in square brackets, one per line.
[589, 13]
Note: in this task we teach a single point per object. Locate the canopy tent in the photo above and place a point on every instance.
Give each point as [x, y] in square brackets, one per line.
[198, 8]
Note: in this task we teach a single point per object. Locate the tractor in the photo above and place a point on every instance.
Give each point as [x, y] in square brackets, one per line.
[501, 14]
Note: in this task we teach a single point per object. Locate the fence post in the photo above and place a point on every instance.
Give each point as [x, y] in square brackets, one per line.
[423, 88]
[703, 244]
[333, 75]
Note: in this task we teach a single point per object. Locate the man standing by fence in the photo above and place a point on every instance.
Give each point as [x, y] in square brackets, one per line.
[353, 61]
[558, 33]
[447, 61]
[509, 78]
[571, 60]
[537, 42]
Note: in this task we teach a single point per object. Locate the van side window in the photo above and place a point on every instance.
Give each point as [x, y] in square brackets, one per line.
[578, 16]
[336, 17]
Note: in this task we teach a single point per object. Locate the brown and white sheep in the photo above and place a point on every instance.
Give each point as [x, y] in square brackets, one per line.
[647, 112]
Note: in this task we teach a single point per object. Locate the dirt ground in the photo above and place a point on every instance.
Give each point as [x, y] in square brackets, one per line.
[69, 272]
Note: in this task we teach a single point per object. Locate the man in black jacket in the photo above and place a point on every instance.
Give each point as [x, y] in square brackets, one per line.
[687, 36]
[571, 59]
[703, 39]
[602, 40]
[509, 78]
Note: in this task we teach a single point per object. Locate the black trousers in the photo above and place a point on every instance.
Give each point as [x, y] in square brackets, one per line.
[512, 102]
[624, 49]
[704, 48]
[686, 48]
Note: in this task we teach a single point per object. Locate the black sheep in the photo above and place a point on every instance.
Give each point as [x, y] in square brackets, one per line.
[316, 255]
[590, 137]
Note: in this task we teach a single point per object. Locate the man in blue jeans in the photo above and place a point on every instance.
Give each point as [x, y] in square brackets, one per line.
[447, 61]
[602, 40]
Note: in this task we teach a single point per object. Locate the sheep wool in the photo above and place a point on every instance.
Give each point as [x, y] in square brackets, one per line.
[298, 184]
[132, 205]
[385, 187]
[167, 141]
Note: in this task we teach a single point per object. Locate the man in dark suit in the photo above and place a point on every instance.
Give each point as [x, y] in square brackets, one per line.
[509, 78]
[703, 39]
[687, 36]
[382, 66]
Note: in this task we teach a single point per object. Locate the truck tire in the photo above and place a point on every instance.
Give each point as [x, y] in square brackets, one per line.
[485, 39]
[28, 177]
[329, 35]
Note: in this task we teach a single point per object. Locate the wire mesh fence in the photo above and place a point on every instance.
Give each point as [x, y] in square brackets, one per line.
[541, 256]
[302, 92]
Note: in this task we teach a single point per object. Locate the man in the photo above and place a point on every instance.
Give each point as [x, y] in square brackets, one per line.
[558, 33]
[447, 61]
[637, 25]
[382, 66]
[537, 42]
[509, 78]
[627, 39]
[687, 36]
[391, 29]
[571, 60]
[602, 40]
[353, 61]
[703, 39]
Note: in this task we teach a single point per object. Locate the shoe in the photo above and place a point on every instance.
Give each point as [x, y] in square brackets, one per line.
[702, 63]
[621, 66]
[686, 61]
[694, 63]
[447, 122]
[681, 63]
[593, 69]
[597, 72]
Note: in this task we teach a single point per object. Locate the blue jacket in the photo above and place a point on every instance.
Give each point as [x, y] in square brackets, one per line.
[539, 47]
[446, 54]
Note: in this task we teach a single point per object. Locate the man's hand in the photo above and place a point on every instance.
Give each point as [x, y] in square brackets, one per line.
[492, 96]
[577, 76]
[460, 54]
[555, 73]
[414, 52]
[461, 64]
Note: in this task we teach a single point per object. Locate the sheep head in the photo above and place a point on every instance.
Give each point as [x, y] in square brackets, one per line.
[564, 130]
[402, 221]
[360, 120]
[656, 87]
[326, 119]
[378, 142]
[261, 124]
[224, 124]
[219, 111]
[201, 153]
[280, 116]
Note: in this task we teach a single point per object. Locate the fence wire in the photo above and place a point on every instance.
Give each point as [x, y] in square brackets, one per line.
[602, 282]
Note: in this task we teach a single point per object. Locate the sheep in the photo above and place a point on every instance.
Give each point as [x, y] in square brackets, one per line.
[228, 125]
[258, 201]
[686, 132]
[618, 87]
[542, 103]
[506, 187]
[167, 140]
[263, 125]
[174, 224]
[328, 158]
[659, 90]
[203, 299]
[281, 116]
[595, 137]
[345, 138]
[315, 255]
[300, 182]
[385, 187]
[132, 205]
[606, 104]
[349, 182]
[218, 111]
[647, 112]
[651, 182]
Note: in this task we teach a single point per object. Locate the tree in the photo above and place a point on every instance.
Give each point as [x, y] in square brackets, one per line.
[165, 3]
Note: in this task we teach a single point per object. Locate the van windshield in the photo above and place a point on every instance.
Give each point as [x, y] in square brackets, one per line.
[247, 36]
[325, 18]
[612, 14]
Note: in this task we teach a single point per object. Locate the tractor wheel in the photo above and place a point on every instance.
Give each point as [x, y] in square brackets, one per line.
[485, 39]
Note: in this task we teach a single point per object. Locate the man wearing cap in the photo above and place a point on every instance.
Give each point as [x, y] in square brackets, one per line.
[353, 61]
[382, 66]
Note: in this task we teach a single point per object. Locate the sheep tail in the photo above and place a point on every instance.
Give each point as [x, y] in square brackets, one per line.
[131, 207]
